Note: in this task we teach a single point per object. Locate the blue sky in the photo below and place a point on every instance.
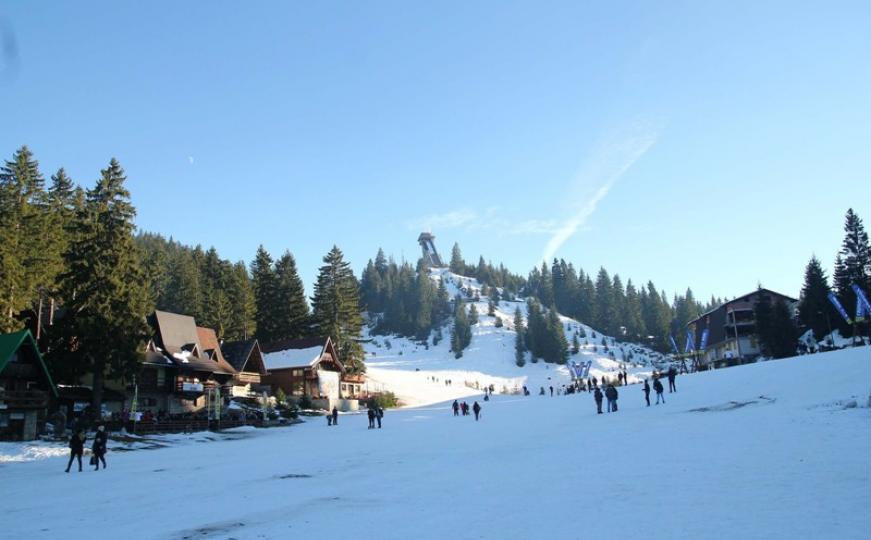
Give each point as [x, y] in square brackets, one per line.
[709, 144]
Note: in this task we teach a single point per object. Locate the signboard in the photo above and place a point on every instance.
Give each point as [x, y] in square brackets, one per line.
[191, 387]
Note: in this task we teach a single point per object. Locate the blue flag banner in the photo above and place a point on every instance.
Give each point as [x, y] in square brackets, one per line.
[587, 369]
[863, 307]
[704, 343]
[690, 342]
[835, 302]
[673, 344]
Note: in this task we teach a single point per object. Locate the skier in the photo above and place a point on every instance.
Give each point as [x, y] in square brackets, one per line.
[646, 391]
[379, 414]
[597, 395]
[456, 408]
[611, 394]
[77, 448]
[477, 409]
[672, 373]
[371, 414]
[99, 447]
[335, 416]
[657, 386]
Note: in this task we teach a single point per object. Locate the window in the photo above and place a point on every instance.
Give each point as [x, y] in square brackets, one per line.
[296, 389]
[297, 373]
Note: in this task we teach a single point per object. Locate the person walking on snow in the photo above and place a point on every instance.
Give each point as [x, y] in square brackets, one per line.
[77, 448]
[379, 414]
[551, 391]
[371, 415]
[646, 390]
[597, 395]
[611, 394]
[335, 416]
[99, 447]
[456, 408]
[657, 386]
[672, 374]
[477, 409]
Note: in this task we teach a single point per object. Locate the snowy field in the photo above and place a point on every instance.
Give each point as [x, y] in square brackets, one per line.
[772, 450]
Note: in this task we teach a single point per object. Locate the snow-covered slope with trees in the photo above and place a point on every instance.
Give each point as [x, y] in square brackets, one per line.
[417, 372]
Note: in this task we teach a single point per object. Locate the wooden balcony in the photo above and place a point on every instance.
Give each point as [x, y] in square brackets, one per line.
[23, 399]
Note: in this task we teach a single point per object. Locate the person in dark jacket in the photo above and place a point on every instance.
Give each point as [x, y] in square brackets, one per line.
[477, 409]
[657, 387]
[456, 408]
[371, 414]
[99, 447]
[379, 414]
[541, 393]
[625, 377]
[335, 416]
[646, 390]
[77, 448]
[672, 374]
[611, 394]
[597, 395]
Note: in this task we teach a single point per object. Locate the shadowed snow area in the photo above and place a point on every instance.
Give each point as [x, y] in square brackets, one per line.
[761, 451]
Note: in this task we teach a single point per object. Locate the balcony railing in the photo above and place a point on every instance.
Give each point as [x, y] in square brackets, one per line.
[23, 399]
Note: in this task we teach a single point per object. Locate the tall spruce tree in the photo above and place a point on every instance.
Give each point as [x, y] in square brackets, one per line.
[291, 312]
[854, 262]
[26, 269]
[264, 284]
[106, 295]
[336, 308]
[519, 345]
[814, 309]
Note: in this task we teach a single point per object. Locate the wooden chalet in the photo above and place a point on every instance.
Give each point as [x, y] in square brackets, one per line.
[25, 387]
[182, 364]
[310, 367]
[247, 359]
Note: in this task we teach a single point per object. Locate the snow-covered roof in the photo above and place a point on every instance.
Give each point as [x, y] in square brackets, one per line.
[291, 358]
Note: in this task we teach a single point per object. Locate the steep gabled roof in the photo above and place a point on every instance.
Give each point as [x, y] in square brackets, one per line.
[12, 343]
[240, 353]
[212, 349]
[176, 333]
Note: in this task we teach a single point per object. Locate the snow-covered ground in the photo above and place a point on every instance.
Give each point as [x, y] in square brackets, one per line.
[405, 366]
[771, 450]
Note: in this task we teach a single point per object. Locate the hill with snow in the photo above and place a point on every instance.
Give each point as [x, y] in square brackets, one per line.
[417, 372]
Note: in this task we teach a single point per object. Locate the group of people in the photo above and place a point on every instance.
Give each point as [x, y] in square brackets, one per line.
[375, 414]
[463, 407]
[98, 448]
[612, 395]
[448, 382]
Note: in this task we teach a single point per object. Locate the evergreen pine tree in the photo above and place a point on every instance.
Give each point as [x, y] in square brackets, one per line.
[291, 311]
[106, 295]
[336, 308]
[519, 345]
[473, 315]
[814, 309]
[458, 265]
[264, 283]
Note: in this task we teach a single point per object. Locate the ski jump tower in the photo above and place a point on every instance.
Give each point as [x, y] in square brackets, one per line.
[430, 254]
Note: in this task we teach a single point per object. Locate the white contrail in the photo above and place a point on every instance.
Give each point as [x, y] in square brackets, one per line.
[605, 166]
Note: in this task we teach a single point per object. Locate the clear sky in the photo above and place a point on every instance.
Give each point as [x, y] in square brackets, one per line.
[709, 144]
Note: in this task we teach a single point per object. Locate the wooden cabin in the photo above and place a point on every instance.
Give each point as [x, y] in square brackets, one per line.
[310, 367]
[25, 387]
[182, 365]
[247, 359]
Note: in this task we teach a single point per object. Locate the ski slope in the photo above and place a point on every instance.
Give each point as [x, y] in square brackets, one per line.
[775, 450]
[406, 367]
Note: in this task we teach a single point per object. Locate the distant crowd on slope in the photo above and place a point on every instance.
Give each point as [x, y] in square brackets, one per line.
[608, 390]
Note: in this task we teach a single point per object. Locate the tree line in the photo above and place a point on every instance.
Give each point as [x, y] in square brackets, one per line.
[72, 257]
